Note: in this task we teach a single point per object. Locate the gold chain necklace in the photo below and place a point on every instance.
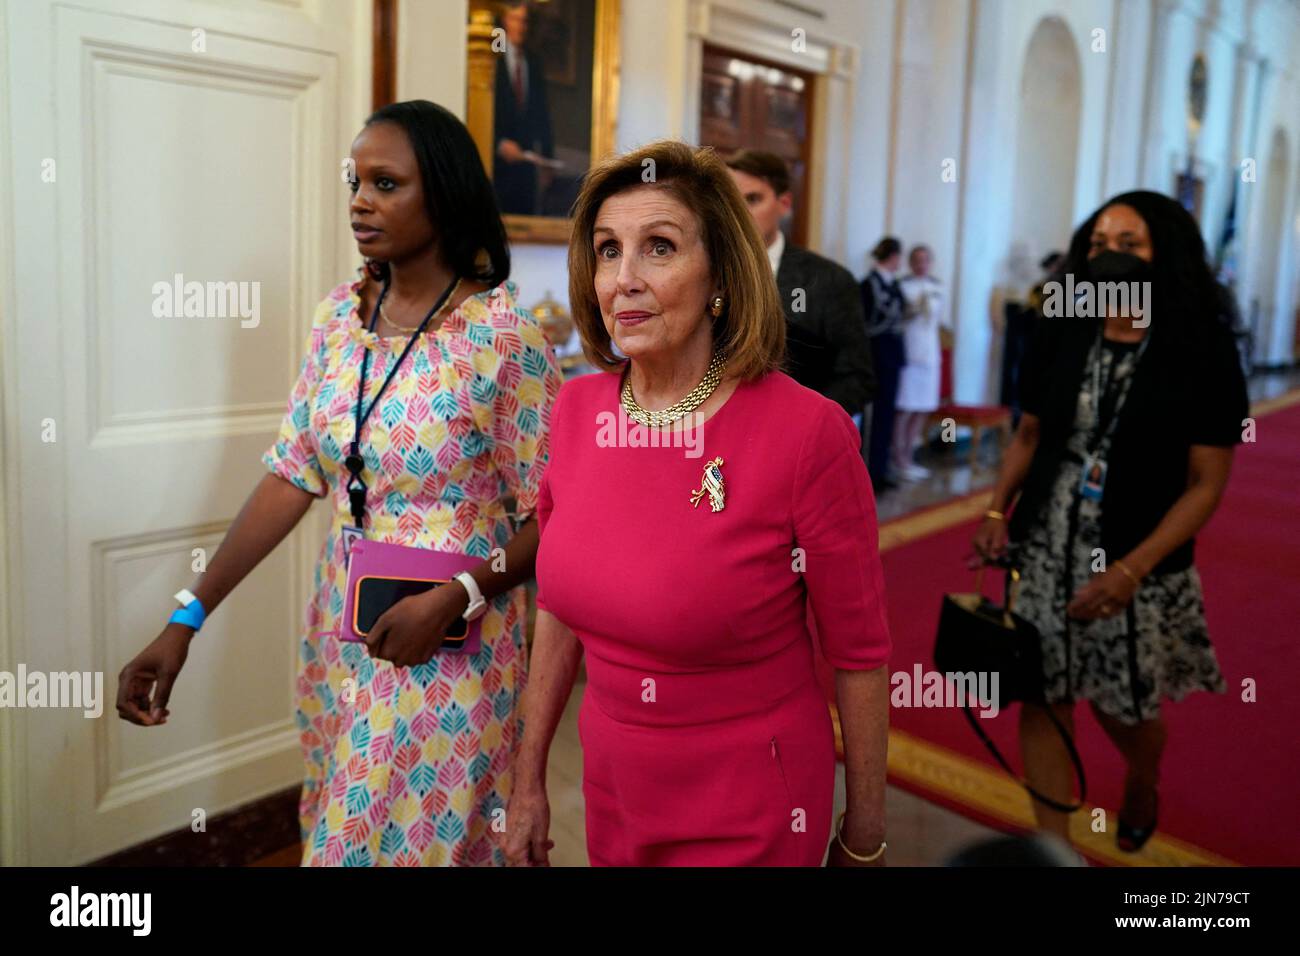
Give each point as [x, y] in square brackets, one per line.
[408, 329]
[693, 400]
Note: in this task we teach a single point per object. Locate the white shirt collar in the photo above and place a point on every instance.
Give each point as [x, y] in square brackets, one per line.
[775, 250]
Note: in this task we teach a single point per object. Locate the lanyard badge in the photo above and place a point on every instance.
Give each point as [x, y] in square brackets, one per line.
[1092, 476]
[1093, 479]
[354, 462]
[356, 499]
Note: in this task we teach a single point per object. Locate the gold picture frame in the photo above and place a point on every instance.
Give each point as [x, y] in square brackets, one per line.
[480, 107]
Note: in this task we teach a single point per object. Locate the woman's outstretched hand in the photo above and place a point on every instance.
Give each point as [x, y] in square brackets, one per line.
[154, 669]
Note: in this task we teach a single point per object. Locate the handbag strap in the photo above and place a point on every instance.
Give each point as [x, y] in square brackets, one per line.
[1069, 746]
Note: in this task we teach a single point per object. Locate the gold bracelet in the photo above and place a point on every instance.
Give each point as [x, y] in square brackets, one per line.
[1128, 572]
[995, 514]
[839, 825]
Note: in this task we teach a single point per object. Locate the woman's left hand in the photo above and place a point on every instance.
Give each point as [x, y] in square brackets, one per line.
[1106, 595]
[411, 631]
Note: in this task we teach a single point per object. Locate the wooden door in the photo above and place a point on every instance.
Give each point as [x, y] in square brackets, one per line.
[754, 104]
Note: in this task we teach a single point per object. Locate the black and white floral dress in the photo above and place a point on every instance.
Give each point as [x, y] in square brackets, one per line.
[1159, 646]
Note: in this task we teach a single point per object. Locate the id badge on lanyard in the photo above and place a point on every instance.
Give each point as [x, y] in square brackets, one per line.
[1092, 476]
[356, 486]
[1092, 481]
[351, 534]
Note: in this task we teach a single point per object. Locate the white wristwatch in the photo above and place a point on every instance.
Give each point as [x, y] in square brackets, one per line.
[476, 603]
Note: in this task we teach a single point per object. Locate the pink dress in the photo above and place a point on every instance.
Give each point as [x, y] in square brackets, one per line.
[706, 738]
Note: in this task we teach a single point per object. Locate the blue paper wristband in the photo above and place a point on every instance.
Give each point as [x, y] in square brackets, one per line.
[191, 615]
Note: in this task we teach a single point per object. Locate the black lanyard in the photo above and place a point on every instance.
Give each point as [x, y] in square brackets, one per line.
[354, 462]
[1101, 431]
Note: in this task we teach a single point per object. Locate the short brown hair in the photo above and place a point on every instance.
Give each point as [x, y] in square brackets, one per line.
[751, 329]
[768, 167]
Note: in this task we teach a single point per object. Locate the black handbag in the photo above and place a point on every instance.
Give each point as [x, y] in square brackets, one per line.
[977, 636]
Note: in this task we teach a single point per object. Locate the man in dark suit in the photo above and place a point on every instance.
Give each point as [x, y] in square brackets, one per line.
[826, 336]
[522, 118]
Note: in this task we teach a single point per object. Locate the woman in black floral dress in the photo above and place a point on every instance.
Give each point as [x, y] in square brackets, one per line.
[1122, 455]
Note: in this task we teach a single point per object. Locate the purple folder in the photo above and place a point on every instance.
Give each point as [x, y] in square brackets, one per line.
[380, 559]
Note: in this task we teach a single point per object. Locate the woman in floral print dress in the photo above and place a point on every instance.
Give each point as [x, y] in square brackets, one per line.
[407, 750]
[1131, 417]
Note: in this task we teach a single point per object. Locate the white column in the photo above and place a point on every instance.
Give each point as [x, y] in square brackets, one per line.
[1245, 145]
[1256, 246]
[1155, 172]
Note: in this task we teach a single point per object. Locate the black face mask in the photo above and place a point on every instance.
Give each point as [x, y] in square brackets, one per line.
[1111, 266]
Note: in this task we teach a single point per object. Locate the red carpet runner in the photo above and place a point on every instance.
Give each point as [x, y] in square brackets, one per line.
[1231, 771]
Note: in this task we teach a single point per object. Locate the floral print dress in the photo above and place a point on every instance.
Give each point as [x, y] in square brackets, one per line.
[1159, 648]
[407, 765]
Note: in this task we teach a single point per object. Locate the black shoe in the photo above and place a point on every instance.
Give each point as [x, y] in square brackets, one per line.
[1130, 838]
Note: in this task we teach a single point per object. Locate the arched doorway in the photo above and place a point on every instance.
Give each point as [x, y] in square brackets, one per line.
[1047, 139]
[1042, 188]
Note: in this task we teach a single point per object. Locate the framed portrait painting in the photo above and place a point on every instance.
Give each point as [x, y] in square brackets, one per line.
[541, 102]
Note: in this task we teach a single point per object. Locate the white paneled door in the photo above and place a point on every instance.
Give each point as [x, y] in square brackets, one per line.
[152, 144]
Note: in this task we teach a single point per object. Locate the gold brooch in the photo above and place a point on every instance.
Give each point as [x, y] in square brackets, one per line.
[712, 486]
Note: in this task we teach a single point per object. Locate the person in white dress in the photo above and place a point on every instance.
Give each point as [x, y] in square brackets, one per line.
[918, 384]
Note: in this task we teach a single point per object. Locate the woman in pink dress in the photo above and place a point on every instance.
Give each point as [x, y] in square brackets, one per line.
[698, 504]
[406, 748]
